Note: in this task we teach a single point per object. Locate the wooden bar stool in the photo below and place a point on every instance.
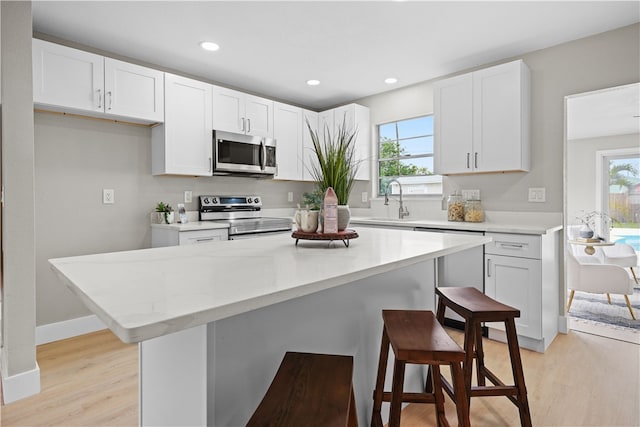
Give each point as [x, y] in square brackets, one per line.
[417, 338]
[309, 390]
[475, 307]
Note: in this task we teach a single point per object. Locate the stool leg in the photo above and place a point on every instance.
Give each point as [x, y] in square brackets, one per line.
[353, 414]
[477, 326]
[376, 417]
[518, 373]
[439, 397]
[396, 394]
[462, 405]
[467, 365]
[440, 316]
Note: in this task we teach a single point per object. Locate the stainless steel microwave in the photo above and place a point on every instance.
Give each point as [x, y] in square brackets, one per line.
[235, 153]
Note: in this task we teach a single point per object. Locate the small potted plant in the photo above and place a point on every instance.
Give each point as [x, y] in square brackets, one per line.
[165, 211]
[592, 221]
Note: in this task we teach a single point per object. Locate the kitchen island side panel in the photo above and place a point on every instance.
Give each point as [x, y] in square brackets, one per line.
[246, 350]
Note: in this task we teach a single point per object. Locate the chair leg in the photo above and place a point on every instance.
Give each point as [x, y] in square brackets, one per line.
[634, 274]
[570, 300]
[633, 316]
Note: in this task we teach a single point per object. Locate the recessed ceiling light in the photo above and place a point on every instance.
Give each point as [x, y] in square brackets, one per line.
[313, 82]
[390, 80]
[209, 46]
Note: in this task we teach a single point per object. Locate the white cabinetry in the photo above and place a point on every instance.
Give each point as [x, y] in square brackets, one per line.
[354, 116]
[239, 112]
[287, 130]
[183, 144]
[482, 121]
[164, 236]
[522, 271]
[67, 79]
[309, 158]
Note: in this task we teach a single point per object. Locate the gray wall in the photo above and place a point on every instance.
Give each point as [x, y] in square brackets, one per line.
[18, 238]
[77, 158]
[601, 61]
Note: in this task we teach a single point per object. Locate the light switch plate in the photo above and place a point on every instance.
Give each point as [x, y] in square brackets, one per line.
[537, 195]
[188, 196]
[290, 196]
[108, 196]
[471, 194]
[365, 197]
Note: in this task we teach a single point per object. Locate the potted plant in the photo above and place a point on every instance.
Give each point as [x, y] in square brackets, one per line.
[592, 221]
[336, 166]
[165, 211]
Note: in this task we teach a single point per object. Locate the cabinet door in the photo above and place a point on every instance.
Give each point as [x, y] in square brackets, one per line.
[133, 91]
[68, 78]
[228, 110]
[499, 127]
[453, 130]
[259, 116]
[362, 123]
[344, 115]
[325, 122]
[288, 135]
[187, 130]
[516, 282]
[309, 158]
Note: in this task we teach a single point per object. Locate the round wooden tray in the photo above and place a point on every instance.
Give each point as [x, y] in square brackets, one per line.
[344, 235]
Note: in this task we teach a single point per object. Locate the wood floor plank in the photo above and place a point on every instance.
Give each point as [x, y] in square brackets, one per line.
[582, 380]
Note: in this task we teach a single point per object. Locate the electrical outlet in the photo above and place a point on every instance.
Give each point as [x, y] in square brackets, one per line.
[188, 196]
[537, 195]
[471, 194]
[365, 197]
[290, 196]
[108, 196]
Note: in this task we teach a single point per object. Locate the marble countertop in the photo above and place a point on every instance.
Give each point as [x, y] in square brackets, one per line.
[148, 293]
[497, 223]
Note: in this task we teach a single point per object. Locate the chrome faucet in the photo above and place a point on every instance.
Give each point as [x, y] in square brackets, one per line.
[402, 211]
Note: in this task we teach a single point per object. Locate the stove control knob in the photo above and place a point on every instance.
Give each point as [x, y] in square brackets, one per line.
[256, 200]
[214, 200]
[249, 200]
[206, 201]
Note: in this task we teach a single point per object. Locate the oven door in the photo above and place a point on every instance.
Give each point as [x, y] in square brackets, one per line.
[236, 153]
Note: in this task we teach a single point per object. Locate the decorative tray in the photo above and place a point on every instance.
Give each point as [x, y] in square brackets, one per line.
[344, 235]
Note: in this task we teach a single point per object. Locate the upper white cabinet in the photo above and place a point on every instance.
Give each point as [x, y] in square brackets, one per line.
[239, 112]
[73, 80]
[287, 130]
[482, 121]
[309, 158]
[354, 116]
[183, 144]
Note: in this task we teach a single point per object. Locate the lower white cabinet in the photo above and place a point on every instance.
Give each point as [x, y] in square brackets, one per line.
[165, 236]
[520, 271]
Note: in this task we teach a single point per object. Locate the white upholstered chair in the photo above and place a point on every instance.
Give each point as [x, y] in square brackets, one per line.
[598, 279]
[621, 254]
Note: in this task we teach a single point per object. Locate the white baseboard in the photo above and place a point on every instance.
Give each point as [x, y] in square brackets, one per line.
[68, 329]
[19, 386]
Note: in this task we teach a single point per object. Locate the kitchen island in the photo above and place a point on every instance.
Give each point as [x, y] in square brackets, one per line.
[213, 321]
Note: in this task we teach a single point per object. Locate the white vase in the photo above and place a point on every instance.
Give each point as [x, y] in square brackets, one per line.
[168, 217]
[344, 216]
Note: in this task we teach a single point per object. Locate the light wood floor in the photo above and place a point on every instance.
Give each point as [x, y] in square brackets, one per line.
[582, 380]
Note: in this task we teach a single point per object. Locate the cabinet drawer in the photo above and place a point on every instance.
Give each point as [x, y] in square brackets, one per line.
[517, 245]
[202, 236]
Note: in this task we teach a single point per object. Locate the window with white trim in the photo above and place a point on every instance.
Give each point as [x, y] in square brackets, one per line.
[405, 153]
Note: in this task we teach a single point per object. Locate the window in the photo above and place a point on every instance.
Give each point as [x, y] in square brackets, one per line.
[405, 153]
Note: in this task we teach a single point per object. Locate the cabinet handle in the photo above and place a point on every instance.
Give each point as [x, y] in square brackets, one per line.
[475, 160]
[512, 245]
[488, 267]
[99, 98]
[110, 95]
[468, 160]
[210, 164]
[243, 124]
[205, 239]
[248, 125]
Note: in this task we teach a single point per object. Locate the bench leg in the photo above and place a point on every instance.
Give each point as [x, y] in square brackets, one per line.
[396, 394]
[518, 373]
[376, 416]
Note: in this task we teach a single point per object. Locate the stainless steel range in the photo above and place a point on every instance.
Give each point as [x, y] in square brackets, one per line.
[243, 214]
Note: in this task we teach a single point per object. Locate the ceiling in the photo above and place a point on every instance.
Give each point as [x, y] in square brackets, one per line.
[607, 112]
[273, 48]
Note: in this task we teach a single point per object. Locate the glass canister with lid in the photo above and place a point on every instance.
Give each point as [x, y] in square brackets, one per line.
[473, 211]
[455, 207]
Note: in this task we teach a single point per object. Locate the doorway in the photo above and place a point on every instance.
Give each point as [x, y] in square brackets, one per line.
[602, 164]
